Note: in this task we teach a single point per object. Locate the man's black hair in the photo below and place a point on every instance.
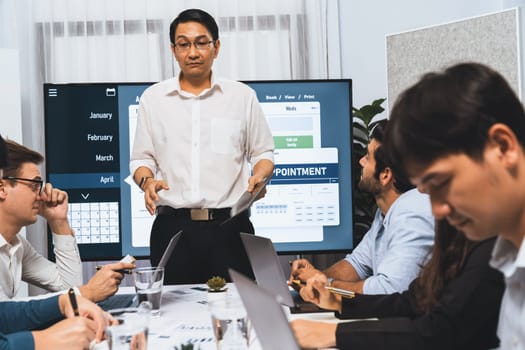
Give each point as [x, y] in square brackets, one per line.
[401, 181]
[450, 112]
[195, 15]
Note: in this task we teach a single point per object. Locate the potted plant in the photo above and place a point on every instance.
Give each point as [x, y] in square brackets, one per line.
[216, 288]
[364, 203]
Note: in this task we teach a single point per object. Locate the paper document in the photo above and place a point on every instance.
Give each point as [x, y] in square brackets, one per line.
[247, 199]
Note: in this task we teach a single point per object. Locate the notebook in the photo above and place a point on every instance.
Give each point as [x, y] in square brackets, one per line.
[267, 316]
[269, 273]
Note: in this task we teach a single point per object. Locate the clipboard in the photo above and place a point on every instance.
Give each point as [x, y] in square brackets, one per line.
[246, 200]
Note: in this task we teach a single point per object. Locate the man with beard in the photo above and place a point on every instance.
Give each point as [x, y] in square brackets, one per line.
[399, 240]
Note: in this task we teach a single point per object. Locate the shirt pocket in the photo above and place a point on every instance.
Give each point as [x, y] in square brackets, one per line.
[225, 135]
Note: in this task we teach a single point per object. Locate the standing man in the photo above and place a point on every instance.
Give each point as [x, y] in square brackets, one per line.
[460, 134]
[392, 252]
[196, 138]
[23, 196]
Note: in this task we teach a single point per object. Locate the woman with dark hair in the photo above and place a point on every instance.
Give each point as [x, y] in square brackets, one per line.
[453, 304]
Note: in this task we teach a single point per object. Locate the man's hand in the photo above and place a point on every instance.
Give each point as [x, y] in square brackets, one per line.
[314, 291]
[254, 185]
[262, 170]
[73, 334]
[314, 335]
[53, 208]
[105, 282]
[87, 311]
[301, 270]
[151, 188]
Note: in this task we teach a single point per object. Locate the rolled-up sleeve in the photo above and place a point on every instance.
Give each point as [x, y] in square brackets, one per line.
[406, 244]
[406, 253]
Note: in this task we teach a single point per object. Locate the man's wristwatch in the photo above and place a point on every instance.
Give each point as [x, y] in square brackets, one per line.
[143, 180]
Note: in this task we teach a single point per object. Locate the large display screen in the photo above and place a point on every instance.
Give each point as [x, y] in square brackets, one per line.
[308, 205]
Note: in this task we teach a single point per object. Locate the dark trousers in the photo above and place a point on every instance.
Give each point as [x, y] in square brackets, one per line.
[205, 249]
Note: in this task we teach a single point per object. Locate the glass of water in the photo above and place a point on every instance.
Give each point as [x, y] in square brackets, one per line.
[148, 285]
[128, 328]
[230, 324]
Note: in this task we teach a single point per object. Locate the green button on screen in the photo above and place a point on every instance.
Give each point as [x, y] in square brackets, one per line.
[306, 141]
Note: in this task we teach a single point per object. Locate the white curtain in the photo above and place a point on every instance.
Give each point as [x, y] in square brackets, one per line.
[127, 40]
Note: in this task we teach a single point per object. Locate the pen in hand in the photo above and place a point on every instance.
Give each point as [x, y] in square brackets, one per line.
[342, 292]
[123, 271]
[73, 301]
[298, 283]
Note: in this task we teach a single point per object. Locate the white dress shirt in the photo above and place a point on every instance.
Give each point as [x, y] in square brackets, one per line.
[511, 262]
[202, 146]
[21, 262]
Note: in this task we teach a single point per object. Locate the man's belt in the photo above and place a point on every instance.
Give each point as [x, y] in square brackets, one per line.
[196, 214]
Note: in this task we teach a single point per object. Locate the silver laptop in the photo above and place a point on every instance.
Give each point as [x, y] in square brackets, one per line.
[267, 316]
[169, 249]
[269, 273]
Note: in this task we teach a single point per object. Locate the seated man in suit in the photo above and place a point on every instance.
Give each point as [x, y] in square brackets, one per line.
[401, 236]
[22, 323]
[23, 196]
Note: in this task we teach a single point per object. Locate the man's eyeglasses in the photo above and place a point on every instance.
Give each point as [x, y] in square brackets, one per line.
[184, 46]
[36, 185]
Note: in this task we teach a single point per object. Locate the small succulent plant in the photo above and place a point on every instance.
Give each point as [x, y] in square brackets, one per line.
[216, 283]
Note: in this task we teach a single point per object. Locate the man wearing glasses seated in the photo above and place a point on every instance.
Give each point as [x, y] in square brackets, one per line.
[24, 196]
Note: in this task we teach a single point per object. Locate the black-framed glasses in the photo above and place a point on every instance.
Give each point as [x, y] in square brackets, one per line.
[36, 185]
[184, 46]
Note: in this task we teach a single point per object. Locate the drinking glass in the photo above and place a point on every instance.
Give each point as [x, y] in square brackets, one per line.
[128, 329]
[230, 324]
[148, 285]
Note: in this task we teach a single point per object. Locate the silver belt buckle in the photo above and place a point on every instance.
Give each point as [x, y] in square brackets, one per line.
[200, 214]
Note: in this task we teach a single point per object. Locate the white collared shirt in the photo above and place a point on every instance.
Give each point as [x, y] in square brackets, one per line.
[21, 262]
[511, 262]
[202, 146]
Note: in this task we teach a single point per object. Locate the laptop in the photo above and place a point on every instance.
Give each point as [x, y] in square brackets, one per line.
[269, 274]
[266, 314]
[118, 301]
[169, 249]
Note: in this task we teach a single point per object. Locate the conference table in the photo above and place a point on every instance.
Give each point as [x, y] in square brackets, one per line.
[185, 318]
